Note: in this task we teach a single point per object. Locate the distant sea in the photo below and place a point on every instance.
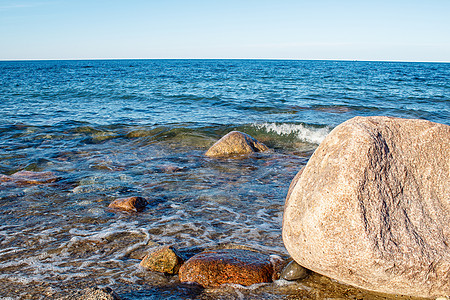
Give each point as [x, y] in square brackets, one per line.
[117, 128]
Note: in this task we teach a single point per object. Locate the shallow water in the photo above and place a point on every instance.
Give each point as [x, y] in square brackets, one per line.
[112, 129]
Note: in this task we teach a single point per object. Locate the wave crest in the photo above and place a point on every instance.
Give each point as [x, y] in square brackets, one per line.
[307, 133]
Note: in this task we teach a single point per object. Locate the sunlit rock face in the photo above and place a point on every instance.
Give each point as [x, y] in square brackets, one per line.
[227, 266]
[372, 207]
[236, 143]
[132, 204]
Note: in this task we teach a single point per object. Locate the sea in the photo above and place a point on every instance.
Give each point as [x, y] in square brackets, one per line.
[109, 129]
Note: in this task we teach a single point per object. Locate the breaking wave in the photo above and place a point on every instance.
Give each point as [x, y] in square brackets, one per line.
[307, 133]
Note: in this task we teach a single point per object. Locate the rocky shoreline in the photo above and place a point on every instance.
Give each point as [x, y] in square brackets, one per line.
[407, 160]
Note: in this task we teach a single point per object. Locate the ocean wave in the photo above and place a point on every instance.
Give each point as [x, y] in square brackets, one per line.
[307, 133]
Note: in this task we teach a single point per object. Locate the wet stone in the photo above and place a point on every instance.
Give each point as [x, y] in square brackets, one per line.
[164, 259]
[93, 294]
[135, 204]
[236, 143]
[293, 271]
[227, 266]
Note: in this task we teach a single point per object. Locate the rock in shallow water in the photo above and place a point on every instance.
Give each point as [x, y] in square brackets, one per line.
[93, 294]
[164, 259]
[372, 207]
[236, 143]
[29, 178]
[293, 271]
[214, 268]
[135, 204]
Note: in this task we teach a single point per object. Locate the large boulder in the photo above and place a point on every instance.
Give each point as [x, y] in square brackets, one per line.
[236, 143]
[372, 207]
[227, 266]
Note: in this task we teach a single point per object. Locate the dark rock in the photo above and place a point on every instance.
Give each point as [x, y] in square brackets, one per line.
[232, 266]
[135, 204]
[164, 259]
[236, 143]
[293, 271]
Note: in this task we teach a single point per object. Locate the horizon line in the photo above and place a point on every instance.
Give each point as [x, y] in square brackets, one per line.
[171, 58]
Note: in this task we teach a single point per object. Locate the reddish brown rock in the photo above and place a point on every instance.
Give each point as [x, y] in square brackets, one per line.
[372, 207]
[135, 204]
[236, 143]
[30, 178]
[214, 268]
[164, 259]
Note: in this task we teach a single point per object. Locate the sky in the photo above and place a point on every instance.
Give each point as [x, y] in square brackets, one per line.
[390, 30]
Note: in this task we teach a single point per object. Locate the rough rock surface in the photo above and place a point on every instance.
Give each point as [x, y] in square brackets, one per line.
[236, 143]
[93, 294]
[29, 178]
[372, 207]
[238, 266]
[164, 259]
[135, 204]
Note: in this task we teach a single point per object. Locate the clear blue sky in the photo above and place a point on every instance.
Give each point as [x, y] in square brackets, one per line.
[410, 30]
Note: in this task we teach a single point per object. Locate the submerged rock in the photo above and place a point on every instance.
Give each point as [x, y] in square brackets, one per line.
[236, 143]
[30, 178]
[164, 259]
[135, 204]
[372, 207]
[237, 266]
[93, 294]
[293, 271]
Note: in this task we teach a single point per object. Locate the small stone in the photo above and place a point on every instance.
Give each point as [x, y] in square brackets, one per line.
[293, 271]
[236, 143]
[135, 204]
[164, 259]
[227, 266]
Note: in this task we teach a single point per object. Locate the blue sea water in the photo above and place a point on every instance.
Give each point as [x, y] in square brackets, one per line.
[118, 128]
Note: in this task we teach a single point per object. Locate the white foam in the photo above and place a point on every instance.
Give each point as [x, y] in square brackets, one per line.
[9, 250]
[312, 135]
[283, 282]
[250, 287]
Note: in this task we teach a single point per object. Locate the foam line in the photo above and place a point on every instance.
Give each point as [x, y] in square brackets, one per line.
[310, 134]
